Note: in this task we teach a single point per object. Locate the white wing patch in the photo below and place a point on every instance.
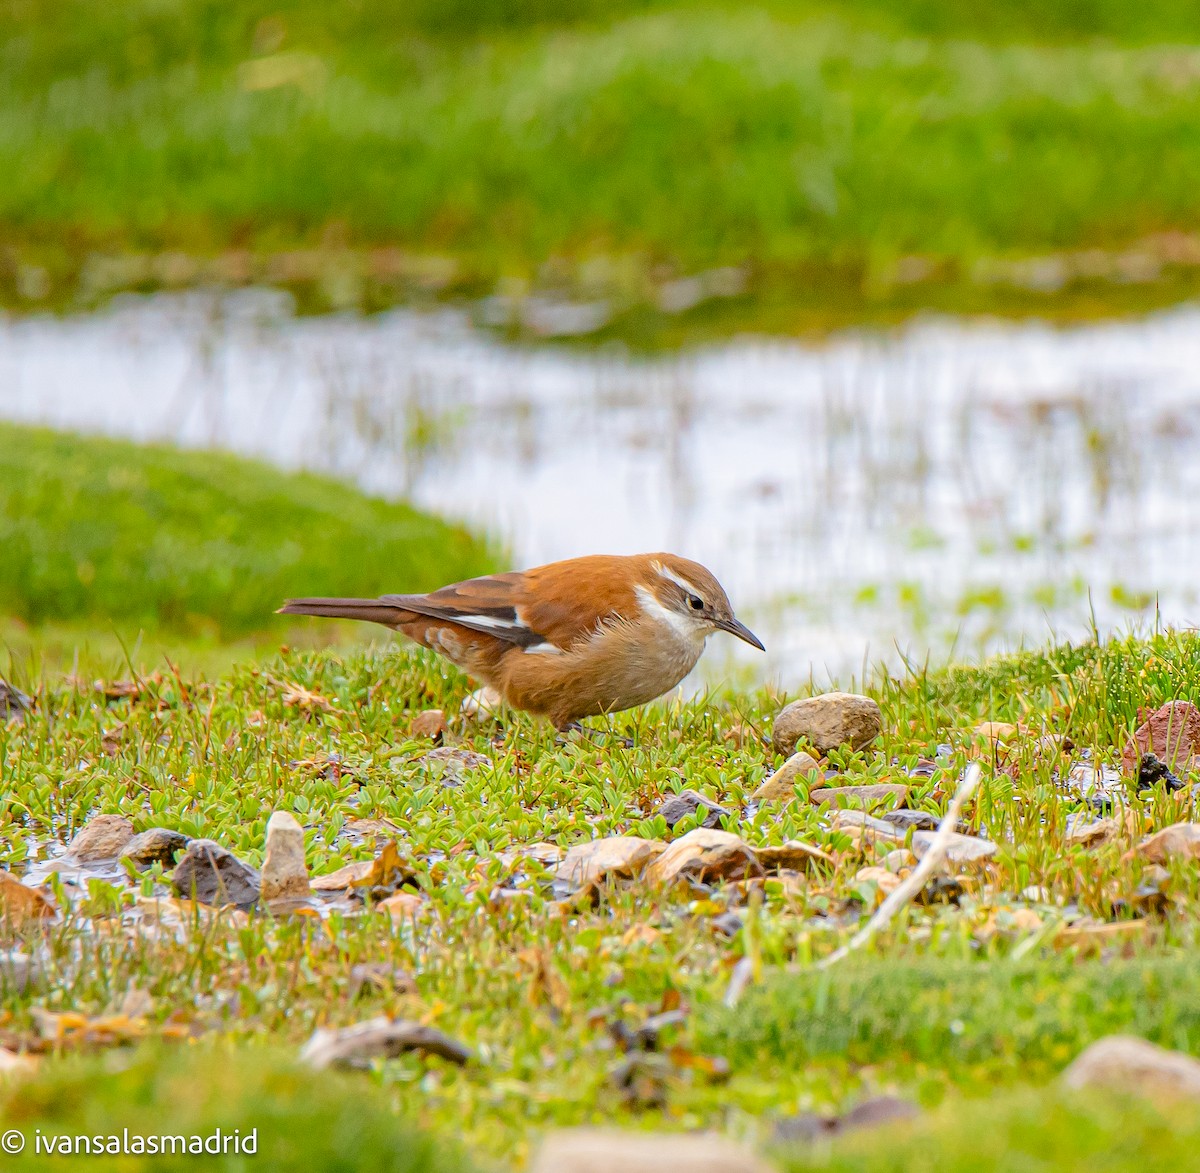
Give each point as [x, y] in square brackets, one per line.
[543, 649]
[491, 622]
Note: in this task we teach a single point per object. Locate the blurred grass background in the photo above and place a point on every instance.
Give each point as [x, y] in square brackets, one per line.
[198, 543]
[591, 144]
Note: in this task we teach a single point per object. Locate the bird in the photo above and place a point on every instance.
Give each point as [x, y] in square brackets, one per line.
[568, 640]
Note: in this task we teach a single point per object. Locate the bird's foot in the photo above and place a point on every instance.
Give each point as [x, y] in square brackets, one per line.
[600, 735]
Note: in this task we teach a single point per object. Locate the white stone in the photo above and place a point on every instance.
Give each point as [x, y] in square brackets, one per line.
[284, 873]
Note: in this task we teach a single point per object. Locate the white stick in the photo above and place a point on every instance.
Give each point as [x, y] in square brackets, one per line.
[930, 862]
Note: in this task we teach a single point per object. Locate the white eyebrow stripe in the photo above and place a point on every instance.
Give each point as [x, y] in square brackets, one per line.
[681, 625]
[675, 578]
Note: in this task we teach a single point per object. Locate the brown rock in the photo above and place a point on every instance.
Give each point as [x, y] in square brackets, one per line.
[705, 856]
[284, 872]
[826, 722]
[155, 845]
[383, 1037]
[781, 786]
[1090, 936]
[345, 877]
[404, 906]
[1124, 1064]
[1082, 832]
[617, 857]
[428, 723]
[360, 830]
[603, 1151]
[20, 903]
[794, 855]
[1171, 733]
[1179, 839]
[103, 837]
[860, 796]
[887, 882]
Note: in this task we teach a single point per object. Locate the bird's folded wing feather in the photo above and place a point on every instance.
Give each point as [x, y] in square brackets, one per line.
[558, 604]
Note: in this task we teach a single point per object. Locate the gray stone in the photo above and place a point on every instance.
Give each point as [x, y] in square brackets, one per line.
[210, 874]
[13, 702]
[449, 764]
[284, 872]
[155, 845]
[683, 805]
[103, 837]
[917, 820]
[959, 848]
[879, 1110]
[1124, 1064]
[826, 722]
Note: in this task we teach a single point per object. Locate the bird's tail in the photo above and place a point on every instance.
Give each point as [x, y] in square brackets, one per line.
[371, 610]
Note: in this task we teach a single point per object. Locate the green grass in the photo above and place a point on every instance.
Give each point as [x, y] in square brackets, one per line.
[955, 1003]
[303, 1120]
[978, 1019]
[1018, 1132]
[119, 534]
[811, 142]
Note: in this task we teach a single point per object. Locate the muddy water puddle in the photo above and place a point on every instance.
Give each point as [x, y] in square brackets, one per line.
[949, 486]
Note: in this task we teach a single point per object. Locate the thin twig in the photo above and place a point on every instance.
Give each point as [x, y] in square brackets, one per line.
[744, 972]
[930, 862]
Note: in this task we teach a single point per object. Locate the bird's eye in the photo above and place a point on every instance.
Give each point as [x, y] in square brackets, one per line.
[695, 602]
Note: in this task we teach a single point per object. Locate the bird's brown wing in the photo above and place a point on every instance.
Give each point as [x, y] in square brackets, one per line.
[489, 605]
[558, 604]
[566, 602]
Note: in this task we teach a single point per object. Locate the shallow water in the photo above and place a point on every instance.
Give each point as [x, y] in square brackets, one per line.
[948, 485]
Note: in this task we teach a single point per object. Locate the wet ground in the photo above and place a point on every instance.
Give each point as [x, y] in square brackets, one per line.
[951, 485]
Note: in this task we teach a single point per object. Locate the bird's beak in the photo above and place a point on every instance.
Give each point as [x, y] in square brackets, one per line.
[736, 627]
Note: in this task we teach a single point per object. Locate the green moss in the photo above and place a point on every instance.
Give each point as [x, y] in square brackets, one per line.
[115, 532]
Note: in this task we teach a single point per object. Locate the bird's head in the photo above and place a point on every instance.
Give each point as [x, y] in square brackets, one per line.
[692, 600]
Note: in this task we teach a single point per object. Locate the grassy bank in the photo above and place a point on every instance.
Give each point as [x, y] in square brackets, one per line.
[123, 536]
[877, 153]
[972, 1004]
[295, 1119]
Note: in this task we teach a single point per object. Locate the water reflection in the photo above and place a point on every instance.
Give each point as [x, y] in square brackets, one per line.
[967, 484]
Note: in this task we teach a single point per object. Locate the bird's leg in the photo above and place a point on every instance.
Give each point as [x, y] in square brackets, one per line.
[600, 735]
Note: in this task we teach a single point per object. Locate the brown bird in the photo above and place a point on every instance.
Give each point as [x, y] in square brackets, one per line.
[568, 640]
